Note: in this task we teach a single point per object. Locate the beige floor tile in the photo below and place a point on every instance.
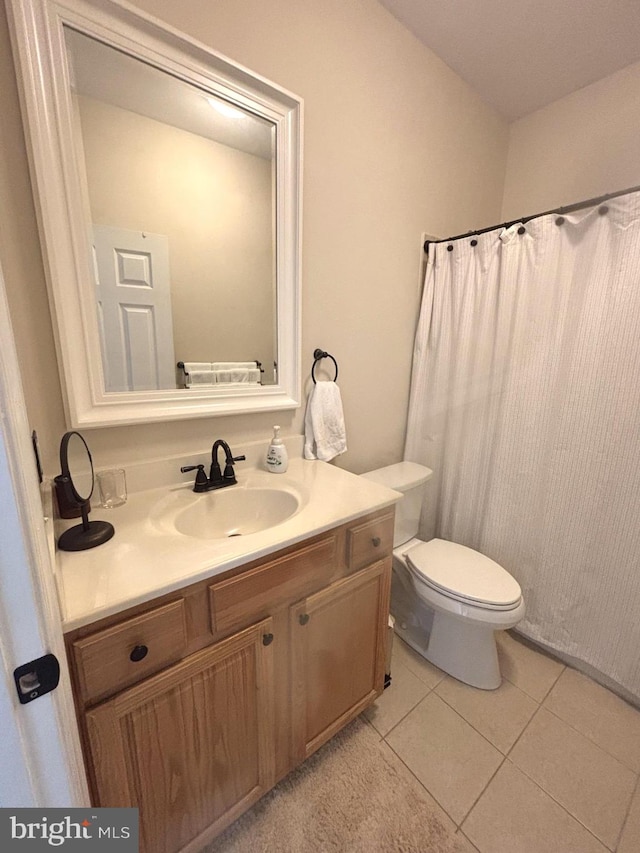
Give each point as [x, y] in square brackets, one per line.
[462, 844]
[419, 666]
[630, 838]
[599, 714]
[412, 780]
[448, 756]
[530, 670]
[515, 816]
[500, 715]
[589, 783]
[403, 694]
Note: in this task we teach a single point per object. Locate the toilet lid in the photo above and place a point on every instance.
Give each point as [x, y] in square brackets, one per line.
[464, 573]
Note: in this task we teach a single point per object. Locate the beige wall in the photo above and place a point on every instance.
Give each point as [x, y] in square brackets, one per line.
[584, 145]
[395, 144]
[214, 203]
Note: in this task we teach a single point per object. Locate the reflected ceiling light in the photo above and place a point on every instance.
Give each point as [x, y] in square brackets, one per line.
[225, 109]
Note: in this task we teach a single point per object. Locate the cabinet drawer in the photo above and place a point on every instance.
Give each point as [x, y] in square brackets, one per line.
[260, 591]
[370, 541]
[119, 656]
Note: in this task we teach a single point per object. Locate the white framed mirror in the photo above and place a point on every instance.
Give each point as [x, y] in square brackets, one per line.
[168, 186]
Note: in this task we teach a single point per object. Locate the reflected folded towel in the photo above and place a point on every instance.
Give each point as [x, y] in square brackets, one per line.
[325, 435]
[237, 375]
[196, 365]
[233, 365]
[201, 377]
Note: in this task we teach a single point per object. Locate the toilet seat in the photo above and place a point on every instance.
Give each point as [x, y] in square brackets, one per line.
[463, 574]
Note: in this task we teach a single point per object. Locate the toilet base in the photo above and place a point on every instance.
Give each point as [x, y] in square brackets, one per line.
[464, 650]
[453, 635]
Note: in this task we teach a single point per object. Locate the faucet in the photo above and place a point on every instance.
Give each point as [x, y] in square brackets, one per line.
[216, 479]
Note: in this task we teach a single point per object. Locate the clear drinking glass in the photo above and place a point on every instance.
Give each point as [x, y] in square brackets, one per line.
[112, 485]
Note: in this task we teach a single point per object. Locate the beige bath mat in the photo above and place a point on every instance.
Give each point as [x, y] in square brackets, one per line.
[352, 796]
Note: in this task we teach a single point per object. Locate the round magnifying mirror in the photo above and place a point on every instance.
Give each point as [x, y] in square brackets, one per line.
[77, 465]
[77, 482]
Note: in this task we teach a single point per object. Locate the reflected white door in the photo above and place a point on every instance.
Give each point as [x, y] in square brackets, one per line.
[134, 305]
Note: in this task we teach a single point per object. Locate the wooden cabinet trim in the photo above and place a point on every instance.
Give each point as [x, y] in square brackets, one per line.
[109, 728]
[102, 659]
[370, 540]
[267, 587]
[265, 595]
[302, 746]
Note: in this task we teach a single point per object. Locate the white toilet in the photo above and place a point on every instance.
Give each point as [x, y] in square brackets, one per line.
[447, 599]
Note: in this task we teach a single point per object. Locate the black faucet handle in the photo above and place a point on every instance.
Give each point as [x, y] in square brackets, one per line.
[201, 482]
[229, 473]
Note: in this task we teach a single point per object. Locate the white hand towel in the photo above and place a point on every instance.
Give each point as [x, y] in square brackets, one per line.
[324, 427]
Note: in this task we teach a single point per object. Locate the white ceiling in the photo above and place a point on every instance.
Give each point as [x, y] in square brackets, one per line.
[520, 55]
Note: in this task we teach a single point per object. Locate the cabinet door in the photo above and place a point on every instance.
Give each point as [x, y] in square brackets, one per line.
[338, 639]
[191, 747]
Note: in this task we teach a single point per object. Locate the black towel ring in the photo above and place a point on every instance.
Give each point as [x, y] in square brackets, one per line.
[318, 355]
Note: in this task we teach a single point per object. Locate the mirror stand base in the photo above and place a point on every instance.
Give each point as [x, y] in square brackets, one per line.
[80, 538]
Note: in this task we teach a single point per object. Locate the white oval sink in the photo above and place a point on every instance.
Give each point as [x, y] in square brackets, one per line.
[226, 512]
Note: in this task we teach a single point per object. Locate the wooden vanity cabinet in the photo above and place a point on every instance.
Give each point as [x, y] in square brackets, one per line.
[192, 746]
[241, 677]
[337, 656]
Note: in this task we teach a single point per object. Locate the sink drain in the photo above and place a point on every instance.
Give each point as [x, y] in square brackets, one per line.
[233, 534]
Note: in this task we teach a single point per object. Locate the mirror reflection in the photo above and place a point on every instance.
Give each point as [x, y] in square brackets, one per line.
[78, 465]
[180, 196]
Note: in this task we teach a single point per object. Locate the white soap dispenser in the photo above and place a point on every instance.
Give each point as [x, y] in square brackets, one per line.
[277, 457]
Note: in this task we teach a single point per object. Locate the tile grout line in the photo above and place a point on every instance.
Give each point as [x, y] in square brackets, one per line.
[415, 674]
[549, 689]
[590, 739]
[482, 792]
[636, 791]
[518, 739]
[541, 703]
[458, 826]
[560, 805]
[477, 731]
[506, 756]
[468, 722]
[403, 718]
[500, 753]
[555, 681]
[466, 838]
[422, 785]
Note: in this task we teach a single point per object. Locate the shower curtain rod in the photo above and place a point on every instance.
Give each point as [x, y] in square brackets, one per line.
[570, 208]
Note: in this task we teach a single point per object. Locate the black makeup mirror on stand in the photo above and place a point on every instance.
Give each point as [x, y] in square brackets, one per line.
[74, 487]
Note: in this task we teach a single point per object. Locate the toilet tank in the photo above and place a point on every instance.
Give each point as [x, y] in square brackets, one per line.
[408, 478]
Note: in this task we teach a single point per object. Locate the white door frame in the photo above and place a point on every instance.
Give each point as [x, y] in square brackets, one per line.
[40, 757]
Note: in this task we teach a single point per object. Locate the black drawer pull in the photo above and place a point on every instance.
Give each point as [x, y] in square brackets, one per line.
[376, 541]
[138, 653]
[267, 639]
[303, 618]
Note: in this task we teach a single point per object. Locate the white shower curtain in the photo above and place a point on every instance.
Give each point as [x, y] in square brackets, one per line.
[525, 402]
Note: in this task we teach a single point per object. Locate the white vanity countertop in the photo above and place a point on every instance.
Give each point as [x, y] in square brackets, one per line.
[144, 560]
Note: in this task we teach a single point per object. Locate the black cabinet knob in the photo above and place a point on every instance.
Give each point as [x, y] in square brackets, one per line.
[138, 653]
[376, 541]
[303, 618]
[267, 639]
